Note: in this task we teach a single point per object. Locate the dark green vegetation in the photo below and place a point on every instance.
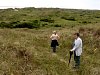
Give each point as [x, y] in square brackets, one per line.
[25, 51]
[46, 17]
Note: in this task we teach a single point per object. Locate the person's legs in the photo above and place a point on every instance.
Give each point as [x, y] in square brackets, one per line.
[54, 49]
[77, 61]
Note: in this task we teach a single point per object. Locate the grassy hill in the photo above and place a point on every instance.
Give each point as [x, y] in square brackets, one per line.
[47, 17]
[25, 51]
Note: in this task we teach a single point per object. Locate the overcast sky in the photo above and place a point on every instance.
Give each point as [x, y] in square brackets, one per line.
[74, 4]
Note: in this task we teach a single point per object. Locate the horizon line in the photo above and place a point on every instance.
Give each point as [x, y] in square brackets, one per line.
[13, 7]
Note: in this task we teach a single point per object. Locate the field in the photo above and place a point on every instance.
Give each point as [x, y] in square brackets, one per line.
[25, 50]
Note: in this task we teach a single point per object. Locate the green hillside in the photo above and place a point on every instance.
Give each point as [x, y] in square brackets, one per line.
[47, 17]
[25, 51]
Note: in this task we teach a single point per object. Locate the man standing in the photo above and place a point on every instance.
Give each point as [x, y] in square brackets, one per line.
[77, 49]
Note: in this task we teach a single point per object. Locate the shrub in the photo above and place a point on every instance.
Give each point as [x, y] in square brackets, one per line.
[9, 24]
[18, 24]
[5, 25]
[47, 20]
[23, 14]
[14, 23]
[97, 16]
[33, 24]
[57, 25]
[64, 17]
[2, 24]
[44, 24]
[24, 25]
[68, 18]
[84, 22]
[36, 24]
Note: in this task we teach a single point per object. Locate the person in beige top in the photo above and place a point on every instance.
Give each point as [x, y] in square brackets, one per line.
[54, 40]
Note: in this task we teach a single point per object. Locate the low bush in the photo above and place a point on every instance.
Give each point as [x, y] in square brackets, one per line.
[5, 25]
[18, 24]
[47, 20]
[44, 24]
[57, 25]
[68, 18]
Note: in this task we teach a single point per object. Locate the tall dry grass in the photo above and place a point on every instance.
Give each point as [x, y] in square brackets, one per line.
[28, 52]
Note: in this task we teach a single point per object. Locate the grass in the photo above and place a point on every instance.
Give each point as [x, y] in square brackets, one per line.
[62, 17]
[26, 51]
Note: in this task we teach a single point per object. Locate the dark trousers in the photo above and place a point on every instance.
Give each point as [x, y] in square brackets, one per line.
[77, 60]
[54, 49]
[54, 43]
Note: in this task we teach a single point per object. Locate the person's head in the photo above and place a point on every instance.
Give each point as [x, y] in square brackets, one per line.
[54, 32]
[76, 35]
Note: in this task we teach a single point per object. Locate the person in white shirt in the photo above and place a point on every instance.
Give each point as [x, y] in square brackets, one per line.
[54, 40]
[77, 49]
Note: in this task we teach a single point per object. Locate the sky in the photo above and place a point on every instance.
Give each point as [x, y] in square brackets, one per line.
[68, 4]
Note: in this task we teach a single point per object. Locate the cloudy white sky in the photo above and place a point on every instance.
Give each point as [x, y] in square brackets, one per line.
[75, 4]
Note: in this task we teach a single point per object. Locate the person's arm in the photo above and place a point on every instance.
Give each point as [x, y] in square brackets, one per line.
[51, 37]
[58, 36]
[77, 44]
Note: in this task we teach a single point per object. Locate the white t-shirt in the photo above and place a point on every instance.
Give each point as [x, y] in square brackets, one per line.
[54, 37]
[78, 46]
